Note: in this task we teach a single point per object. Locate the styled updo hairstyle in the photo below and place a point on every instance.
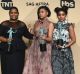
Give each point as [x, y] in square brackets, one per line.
[45, 8]
[64, 9]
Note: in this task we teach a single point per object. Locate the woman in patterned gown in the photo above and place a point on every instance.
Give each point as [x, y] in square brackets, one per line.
[38, 61]
[63, 39]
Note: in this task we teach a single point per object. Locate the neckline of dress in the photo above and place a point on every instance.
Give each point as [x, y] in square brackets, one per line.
[63, 22]
[45, 19]
[13, 22]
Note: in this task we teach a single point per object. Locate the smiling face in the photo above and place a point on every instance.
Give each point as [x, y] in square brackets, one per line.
[43, 13]
[61, 15]
[13, 14]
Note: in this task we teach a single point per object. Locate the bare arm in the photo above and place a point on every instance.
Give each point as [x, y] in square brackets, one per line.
[50, 31]
[72, 36]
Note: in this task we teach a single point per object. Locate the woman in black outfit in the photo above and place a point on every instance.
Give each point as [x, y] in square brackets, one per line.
[12, 45]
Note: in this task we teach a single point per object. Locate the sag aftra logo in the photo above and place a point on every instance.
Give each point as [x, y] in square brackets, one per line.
[68, 3]
[6, 4]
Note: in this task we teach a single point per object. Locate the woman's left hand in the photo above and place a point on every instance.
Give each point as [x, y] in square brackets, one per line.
[59, 46]
[43, 37]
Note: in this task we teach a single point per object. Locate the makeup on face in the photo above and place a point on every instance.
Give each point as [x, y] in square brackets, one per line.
[13, 14]
[43, 13]
[61, 16]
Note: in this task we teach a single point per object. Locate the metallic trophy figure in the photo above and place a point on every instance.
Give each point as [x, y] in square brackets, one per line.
[60, 40]
[42, 32]
[10, 31]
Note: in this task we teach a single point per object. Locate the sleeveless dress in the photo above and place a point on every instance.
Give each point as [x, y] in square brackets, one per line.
[38, 62]
[62, 60]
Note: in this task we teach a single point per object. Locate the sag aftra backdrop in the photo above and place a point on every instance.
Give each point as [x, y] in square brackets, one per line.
[28, 14]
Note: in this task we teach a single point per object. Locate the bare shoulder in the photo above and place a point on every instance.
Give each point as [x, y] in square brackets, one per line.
[36, 22]
[71, 25]
[51, 24]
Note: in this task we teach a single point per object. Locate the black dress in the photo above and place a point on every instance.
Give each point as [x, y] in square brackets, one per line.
[12, 61]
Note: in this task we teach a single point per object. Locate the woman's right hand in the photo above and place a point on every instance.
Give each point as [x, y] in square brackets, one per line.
[3, 39]
[43, 37]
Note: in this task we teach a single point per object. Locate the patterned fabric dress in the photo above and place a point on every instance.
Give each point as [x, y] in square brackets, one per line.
[62, 60]
[38, 62]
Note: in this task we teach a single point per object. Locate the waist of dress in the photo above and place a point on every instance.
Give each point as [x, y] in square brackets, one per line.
[54, 42]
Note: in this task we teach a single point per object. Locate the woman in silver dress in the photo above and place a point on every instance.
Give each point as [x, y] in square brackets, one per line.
[63, 39]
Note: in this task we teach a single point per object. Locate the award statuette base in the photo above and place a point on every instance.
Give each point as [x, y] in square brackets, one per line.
[60, 42]
[43, 47]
